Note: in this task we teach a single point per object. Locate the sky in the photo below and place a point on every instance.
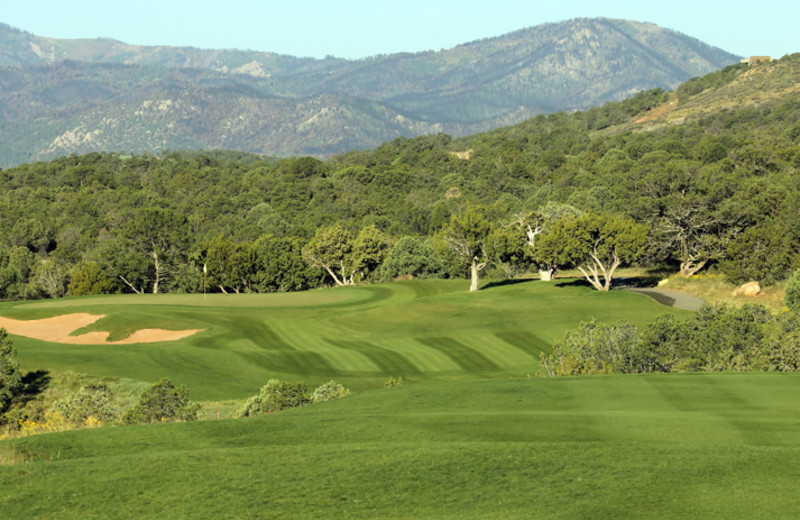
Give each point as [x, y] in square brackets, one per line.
[360, 28]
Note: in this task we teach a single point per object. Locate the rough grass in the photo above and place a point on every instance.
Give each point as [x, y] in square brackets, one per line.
[715, 289]
[674, 446]
[359, 336]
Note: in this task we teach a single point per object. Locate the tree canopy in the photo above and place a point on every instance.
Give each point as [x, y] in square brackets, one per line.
[717, 190]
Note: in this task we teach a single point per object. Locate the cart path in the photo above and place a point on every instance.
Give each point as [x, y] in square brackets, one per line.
[669, 298]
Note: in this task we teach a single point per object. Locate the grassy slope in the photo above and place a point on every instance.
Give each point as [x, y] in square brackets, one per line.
[360, 336]
[688, 446]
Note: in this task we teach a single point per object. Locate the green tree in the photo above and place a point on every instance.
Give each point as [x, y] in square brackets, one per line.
[230, 266]
[279, 265]
[89, 278]
[369, 250]
[508, 247]
[157, 238]
[346, 259]
[465, 239]
[767, 253]
[162, 401]
[522, 233]
[410, 256]
[596, 244]
[791, 296]
[10, 375]
[330, 250]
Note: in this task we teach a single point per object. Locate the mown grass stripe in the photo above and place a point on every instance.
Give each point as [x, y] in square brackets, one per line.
[291, 362]
[525, 341]
[387, 361]
[424, 357]
[264, 336]
[501, 353]
[466, 357]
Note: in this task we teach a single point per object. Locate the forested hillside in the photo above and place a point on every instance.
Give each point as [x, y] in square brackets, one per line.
[710, 171]
[77, 96]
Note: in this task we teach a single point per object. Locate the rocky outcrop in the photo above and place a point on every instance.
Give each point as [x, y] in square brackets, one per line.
[748, 289]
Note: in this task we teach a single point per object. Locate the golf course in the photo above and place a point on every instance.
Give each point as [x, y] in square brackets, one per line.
[360, 336]
[475, 431]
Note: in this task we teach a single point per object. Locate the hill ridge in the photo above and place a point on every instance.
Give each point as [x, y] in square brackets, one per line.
[280, 105]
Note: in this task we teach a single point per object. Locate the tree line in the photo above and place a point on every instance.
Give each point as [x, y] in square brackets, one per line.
[718, 191]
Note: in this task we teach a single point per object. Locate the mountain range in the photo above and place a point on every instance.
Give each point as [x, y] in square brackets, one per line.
[74, 96]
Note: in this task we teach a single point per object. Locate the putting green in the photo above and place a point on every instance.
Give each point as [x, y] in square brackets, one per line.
[359, 336]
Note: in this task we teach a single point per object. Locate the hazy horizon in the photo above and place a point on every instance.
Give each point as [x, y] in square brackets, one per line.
[358, 29]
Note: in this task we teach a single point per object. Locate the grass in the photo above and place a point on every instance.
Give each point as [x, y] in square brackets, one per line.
[471, 434]
[688, 446]
[715, 289]
[359, 336]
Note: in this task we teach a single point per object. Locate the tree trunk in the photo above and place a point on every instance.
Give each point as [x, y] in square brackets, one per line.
[474, 270]
[137, 291]
[689, 267]
[597, 267]
[546, 275]
[157, 267]
[333, 275]
[593, 278]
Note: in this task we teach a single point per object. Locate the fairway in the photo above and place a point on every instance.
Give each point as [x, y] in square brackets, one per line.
[360, 336]
[655, 446]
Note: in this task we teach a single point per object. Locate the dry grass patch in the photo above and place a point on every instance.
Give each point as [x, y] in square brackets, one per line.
[716, 290]
[11, 455]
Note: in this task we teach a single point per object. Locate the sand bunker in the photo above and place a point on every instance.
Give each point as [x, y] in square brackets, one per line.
[59, 328]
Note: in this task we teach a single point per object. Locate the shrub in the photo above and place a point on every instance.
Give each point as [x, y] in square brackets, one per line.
[792, 295]
[393, 382]
[595, 349]
[660, 345]
[90, 279]
[10, 376]
[275, 396]
[764, 253]
[719, 338]
[89, 405]
[780, 349]
[714, 339]
[329, 391]
[410, 256]
[163, 401]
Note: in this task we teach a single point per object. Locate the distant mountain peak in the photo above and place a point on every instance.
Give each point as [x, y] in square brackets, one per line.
[277, 105]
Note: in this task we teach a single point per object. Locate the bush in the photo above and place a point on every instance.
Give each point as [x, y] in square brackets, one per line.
[765, 253]
[792, 296]
[88, 279]
[595, 349]
[329, 391]
[720, 338]
[715, 339]
[275, 396]
[392, 382]
[162, 402]
[10, 376]
[89, 405]
[410, 256]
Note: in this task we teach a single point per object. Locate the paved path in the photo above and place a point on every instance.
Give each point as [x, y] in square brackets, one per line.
[675, 299]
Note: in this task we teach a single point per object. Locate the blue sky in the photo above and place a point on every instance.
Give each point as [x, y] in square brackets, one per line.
[360, 28]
